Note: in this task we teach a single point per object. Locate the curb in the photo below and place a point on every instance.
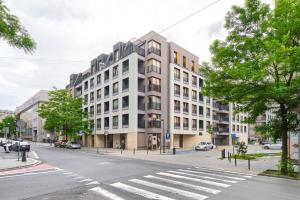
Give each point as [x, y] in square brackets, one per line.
[21, 167]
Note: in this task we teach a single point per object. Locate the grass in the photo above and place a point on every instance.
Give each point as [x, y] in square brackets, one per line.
[253, 156]
[276, 173]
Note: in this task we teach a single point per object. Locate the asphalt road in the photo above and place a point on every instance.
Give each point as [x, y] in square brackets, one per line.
[75, 174]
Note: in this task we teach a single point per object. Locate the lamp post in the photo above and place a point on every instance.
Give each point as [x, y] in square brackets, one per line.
[163, 141]
[298, 133]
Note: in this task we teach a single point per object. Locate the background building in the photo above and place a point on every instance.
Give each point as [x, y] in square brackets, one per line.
[5, 113]
[147, 88]
[34, 123]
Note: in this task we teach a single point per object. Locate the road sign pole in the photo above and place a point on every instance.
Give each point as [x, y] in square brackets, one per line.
[298, 153]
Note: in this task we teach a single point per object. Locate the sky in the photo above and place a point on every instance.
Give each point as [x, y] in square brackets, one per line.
[69, 34]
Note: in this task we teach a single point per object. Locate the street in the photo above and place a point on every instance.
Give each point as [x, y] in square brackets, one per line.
[77, 174]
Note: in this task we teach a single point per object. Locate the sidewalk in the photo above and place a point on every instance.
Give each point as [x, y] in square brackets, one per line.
[9, 161]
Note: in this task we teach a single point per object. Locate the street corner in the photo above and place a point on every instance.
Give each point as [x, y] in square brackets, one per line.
[8, 166]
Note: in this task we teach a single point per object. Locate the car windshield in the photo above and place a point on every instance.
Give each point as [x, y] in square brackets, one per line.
[202, 143]
[73, 142]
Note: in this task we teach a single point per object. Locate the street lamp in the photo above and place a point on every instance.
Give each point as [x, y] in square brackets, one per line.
[298, 133]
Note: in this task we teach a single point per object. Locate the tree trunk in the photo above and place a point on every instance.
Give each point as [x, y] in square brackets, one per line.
[284, 138]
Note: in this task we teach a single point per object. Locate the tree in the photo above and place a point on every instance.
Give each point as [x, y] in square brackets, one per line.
[13, 32]
[10, 122]
[257, 66]
[210, 130]
[64, 114]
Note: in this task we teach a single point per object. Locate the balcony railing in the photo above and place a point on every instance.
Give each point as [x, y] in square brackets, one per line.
[176, 125]
[141, 106]
[141, 124]
[177, 92]
[154, 50]
[153, 68]
[154, 87]
[155, 106]
[177, 108]
[154, 124]
[141, 89]
[141, 70]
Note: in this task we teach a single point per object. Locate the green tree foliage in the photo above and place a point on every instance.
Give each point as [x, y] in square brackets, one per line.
[10, 122]
[241, 148]
[64, 114]
[13, 32]
[257, 66]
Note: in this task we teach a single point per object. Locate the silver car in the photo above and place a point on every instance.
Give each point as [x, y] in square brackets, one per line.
[204, 146]
[275, 146]
[72, 145]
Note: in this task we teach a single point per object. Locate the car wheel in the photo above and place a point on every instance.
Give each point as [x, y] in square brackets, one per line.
[266, 147]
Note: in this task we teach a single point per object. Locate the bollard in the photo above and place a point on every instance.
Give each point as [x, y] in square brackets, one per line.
[223, 153]
[23, 155]
[97, 150]
[235, 160]
[248, 163]
[134, 151]
[174, 150]
[229, 157]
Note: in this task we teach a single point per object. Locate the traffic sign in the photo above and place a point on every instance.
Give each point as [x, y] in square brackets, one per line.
[21, 124]
[233, 135]
[168, 137]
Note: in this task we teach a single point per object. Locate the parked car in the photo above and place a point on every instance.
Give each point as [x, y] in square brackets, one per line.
[72, 145]
[61, 144]
[273, 146]
[204, 146]
[22, 144]
[263, 142]
[3, 141]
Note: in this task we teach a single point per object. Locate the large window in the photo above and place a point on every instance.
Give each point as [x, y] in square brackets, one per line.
[184, 61]
[125, 102]
[177, 106]
[98, 124]
[106, 122]
[92, 97]
[99, 79]
[106, 91]
[194, 124]
[98, 108]
[86, 85]
[115, 88]
[194, 95]
[86, 99]
[115, 71]
[154, 84]
[194, 81]
[99, 94]
[125, 120]
[106, 107]
[177, 74]
[176, 57]
[154, 121]
[115, 121]
[154, 66]
[106, 75]
[125, 84]
[177, 122]
[185, 77]
[185, 123]
[125, 66]
[185, 107]
[92, 83]
[185, 92]
[154, 102]
[92, 111]
[154, 47]
[201, 124]
[176, 90]
[194, 109]
[115, 104]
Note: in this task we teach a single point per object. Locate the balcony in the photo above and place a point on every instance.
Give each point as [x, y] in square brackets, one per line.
[153, 68]
[154, 124]
[153, 87]
[141, 121]
[141, 68]
[177, 93]
[154, 50]
[177, 109]
[154, 106]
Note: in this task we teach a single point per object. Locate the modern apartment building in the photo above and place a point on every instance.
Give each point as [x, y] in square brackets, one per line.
[145, 89]
[261, 119]
[34, 123]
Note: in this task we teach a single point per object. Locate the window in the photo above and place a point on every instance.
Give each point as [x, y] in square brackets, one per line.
[115, 104]
[200, 111]
[201, 124]
[154, 66]
[238, 128]
[116, 55]
[115, 71]
[194, 81]
[200, 97]
[175, 57]
[106, 91]
[125, 84]
[177, 122]
[177, 106]
[176, 90]
[125, 66]
[194, 124]
[194, 109]
[125, 120]
[99, 79]
[154, 102]
[184, 61]
[154, 121]
[106, 122]
[185, 107]
[99, 94]
[177, 74]
[86, 99]
[185, 77]
[233, 128]
[207, 112]
[106, 75]
[200, 82]
[86, 110]
[86, 85]
[116, 88]
[185, 92]
[92, 97]
[185, 123]
[98, 124]
[245, 129]
[98, 108]
[154, 47]
[125, 102]
[194, 95]
[92, 111]
[92, 83]
[115, 121]
[154, 84]
[193, 66]
[92, 127]
[106, 107]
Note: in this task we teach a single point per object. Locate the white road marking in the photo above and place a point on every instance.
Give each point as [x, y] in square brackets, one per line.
[191, 186]
[106, 193]
[93, 183]
[35, 155]
[71, 175]
[210, 174]
[67, 173]
[59, 169]
[222, 170]
[85, 180]
[170, 189]
[194, 179]
[219, 175]
[29, 173]
[79, 177]
[140, 192]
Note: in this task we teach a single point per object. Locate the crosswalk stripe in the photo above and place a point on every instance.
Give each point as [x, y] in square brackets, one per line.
[221, 170]
[106, 193]
[191, 186]
[201, 176]
[218, 175]
[67, 173]
[85, 180]
[194, 179]
[170, 189]
[79, 177]
[140, 192]
[93, 183]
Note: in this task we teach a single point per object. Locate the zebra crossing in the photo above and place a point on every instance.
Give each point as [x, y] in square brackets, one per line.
[186, 183]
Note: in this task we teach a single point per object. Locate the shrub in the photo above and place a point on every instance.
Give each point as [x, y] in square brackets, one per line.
[241, 147]
[289, 166]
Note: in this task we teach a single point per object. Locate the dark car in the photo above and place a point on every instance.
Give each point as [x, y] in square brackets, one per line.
[22, 145]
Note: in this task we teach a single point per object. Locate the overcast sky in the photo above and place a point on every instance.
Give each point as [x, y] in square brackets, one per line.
[71, 33]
